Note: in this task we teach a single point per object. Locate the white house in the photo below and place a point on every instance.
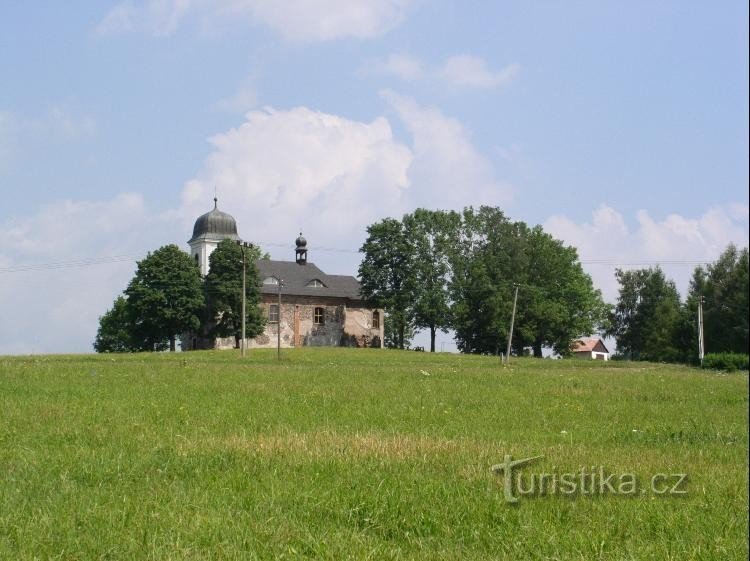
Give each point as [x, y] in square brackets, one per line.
[590, 348]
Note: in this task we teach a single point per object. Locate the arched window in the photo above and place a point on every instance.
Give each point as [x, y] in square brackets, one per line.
[376, 320]
[271, 280]
[316, 283]
[197, 259]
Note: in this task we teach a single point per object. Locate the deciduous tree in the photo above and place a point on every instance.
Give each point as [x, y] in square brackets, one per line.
[223, 292]
[164, 298]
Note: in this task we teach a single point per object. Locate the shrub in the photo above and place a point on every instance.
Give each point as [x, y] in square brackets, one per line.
[726, 361]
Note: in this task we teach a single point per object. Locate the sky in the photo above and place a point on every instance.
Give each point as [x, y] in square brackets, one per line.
[621, 127]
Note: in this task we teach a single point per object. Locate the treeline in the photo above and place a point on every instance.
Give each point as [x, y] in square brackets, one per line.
[652, 322]
[167, 298]
[441, 270]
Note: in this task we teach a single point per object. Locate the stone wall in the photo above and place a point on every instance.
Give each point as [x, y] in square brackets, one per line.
[346, 323]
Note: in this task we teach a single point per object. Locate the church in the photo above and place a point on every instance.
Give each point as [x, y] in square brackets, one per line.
[307, 306]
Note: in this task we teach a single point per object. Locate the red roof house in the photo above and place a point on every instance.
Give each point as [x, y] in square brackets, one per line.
[590, 348]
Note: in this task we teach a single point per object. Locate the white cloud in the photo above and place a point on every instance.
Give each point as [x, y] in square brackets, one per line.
[458, 72]
[56, 309]
[448, 171]
[465, 71]
[280, 171]
[296, 20]
[284, 170]
[677, 242]
[403, 66]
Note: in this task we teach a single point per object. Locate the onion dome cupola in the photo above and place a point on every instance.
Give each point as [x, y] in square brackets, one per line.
[215, 225]
[301, 251]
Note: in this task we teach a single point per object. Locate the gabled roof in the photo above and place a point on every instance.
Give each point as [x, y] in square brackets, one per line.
[296, 278]
[589, 344]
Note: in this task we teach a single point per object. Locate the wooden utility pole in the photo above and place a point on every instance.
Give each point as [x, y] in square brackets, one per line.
[244, 246]
[512, 319]
[701, 343]
[278, 325]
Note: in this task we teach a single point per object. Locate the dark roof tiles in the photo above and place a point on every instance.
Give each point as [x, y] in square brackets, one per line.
[297, 277]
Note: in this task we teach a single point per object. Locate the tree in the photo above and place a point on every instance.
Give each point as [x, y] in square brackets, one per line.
[557, 302]
[392, 338]
[430, 235]
[223, 292]
[726, 308]
[115, 331]
[646, 320]
[164, 298]
[387, 275]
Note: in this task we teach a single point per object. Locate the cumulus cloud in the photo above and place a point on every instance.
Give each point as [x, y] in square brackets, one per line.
[676, 242]
[295, 20]
[459, 72]
[448, 171]
[56, 308]
[280, 171]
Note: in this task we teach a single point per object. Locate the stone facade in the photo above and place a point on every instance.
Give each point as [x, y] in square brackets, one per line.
[344, 324]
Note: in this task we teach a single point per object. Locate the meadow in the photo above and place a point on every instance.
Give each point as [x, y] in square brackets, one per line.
[362, 454]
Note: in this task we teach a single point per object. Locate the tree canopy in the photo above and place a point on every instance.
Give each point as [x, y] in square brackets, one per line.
[115, 332]
[650, 322]
[164, 298]
[223, 292]
[445, 270]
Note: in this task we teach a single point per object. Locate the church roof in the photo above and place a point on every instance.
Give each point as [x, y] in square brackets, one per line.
[299, 280]
[215, 225]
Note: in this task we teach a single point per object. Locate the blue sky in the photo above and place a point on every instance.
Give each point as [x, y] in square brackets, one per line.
[621, 127]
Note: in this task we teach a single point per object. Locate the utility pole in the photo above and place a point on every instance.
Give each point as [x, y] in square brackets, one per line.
[512, 319]
[244, 246]
[701, 347]
[278, 325]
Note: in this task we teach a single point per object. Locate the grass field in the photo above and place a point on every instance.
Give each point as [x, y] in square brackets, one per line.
[362, 454]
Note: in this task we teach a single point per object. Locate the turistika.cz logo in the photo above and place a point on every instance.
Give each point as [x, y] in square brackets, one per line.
[589, 480]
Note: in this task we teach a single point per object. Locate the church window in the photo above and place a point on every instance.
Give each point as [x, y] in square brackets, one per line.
[376, 320]
[319, 316]
[271, 280]
[273, 313]
[196, 259]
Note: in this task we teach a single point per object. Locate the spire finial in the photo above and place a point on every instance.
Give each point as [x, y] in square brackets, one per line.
[216, 202]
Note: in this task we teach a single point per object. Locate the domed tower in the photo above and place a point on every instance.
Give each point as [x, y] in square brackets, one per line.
[301, 252]
[208, 231]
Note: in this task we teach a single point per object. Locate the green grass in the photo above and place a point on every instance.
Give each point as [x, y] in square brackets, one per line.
[361, 454]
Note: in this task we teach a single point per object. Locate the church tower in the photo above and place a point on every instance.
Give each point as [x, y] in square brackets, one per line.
[208, 231]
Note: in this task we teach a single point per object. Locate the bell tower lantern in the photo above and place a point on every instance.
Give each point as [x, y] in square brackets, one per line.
[301, 251]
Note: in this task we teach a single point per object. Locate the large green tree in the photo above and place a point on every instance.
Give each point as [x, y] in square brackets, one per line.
[723, 285]
[115, 333]
[646, 320]
[431, 234]
[387, 274]
[223, 290]
[164, 298]
[557, 302]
